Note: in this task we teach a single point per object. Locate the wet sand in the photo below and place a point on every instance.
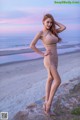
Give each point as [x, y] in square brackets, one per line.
[22, 83]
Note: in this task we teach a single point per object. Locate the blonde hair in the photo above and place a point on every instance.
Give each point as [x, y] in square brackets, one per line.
[53, 28]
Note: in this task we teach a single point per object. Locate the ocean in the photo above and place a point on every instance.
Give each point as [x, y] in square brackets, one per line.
[10, 44]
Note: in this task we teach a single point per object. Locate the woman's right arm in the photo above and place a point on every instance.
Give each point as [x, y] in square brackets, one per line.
[61, 27]
[33, 43]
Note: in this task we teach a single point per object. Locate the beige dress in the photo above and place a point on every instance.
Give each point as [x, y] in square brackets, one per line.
[50, 43]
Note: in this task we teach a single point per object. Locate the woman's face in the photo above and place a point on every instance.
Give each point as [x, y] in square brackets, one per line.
[47, 23]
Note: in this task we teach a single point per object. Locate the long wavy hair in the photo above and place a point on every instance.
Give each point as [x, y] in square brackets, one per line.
[53, 27]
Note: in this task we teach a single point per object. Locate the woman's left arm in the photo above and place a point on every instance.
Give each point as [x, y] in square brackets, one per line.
[61, 27]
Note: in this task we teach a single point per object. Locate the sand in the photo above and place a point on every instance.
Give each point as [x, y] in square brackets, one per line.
[22, 83]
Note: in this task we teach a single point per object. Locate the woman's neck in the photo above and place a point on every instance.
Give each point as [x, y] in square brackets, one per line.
[45, 30]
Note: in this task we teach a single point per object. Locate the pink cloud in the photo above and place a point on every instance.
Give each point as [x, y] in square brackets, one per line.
[31, 28]
[26, 20]
[34, 14]
[19, 29]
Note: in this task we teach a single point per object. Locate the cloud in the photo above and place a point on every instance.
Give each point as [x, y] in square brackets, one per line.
[13, 29]
[31, 28]
[25, 19]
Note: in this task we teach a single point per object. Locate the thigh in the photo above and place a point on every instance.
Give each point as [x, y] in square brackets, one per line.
[55, 73]
[47, 65]
[51, 64]
[49, 74]
[50, 60]
[54, 61]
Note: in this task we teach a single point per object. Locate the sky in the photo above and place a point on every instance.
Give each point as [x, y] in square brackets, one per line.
[25, 16]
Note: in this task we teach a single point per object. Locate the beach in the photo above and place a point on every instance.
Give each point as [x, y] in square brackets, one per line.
[23, 83]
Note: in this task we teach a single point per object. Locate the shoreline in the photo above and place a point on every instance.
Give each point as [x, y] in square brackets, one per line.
[23, 83]
[16, 62]
[20, 50]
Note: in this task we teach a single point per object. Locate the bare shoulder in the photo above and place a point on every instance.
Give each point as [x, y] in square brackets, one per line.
[36, 38]
[40, 33]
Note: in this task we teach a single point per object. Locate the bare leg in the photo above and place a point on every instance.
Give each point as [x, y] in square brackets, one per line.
[48, 88]
[54, 87]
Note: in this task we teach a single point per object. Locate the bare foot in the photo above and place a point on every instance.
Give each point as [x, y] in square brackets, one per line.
[44, 105]
[48, 110]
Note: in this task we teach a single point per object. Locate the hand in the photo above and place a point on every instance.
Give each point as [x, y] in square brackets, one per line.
[48, 52]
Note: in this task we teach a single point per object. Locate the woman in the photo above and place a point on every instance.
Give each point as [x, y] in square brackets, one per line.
[50, 38]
